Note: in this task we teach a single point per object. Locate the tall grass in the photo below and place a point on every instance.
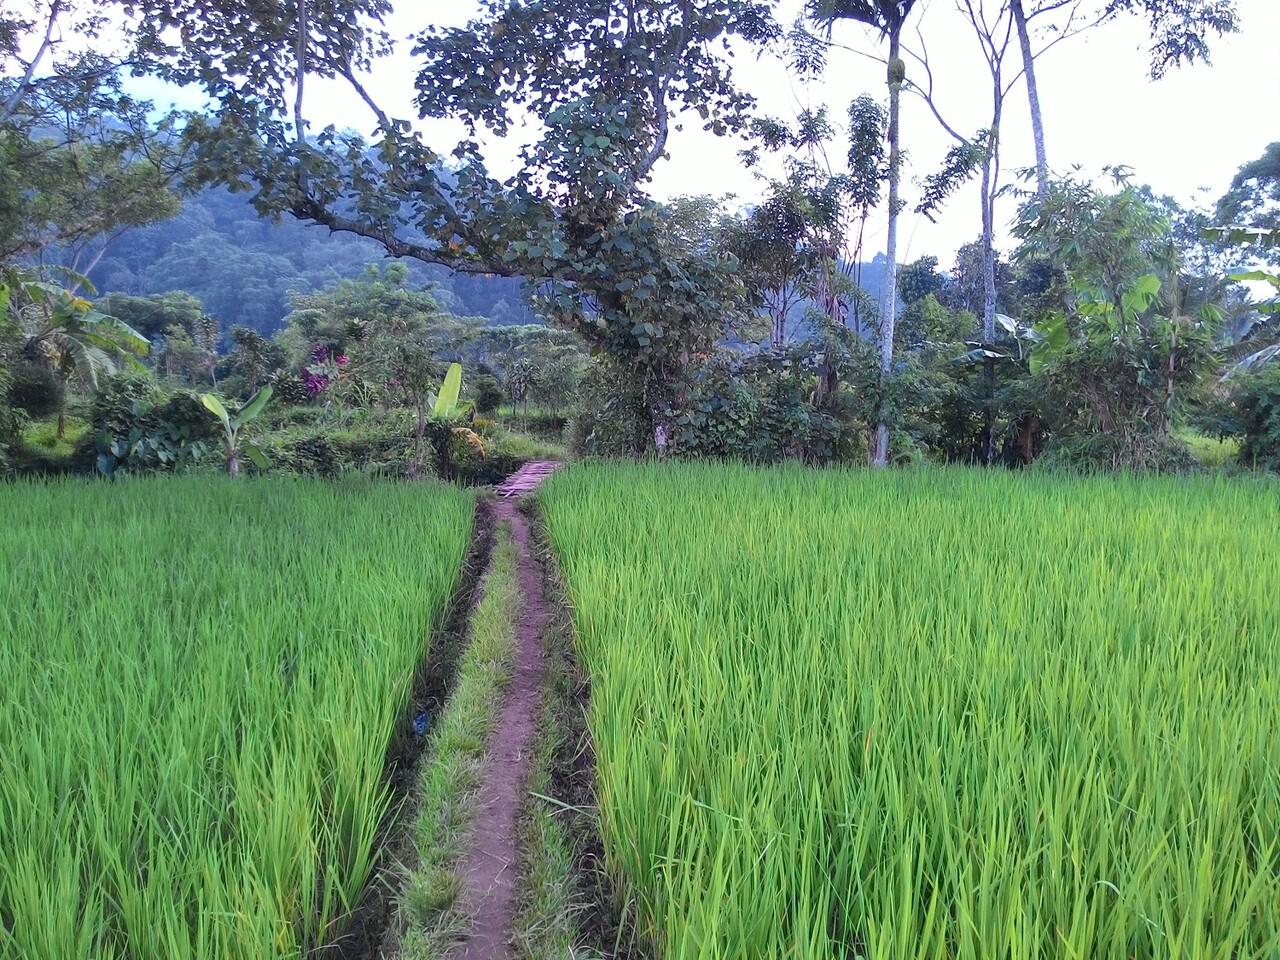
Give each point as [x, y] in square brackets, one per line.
[932, 714]
[202, 679]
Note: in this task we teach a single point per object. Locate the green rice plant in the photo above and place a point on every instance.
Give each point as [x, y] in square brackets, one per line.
[932, 714]
[202, 680]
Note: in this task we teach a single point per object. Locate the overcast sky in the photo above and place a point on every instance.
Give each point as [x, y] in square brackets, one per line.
[1185, 135]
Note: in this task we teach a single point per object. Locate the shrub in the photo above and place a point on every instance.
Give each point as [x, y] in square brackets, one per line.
[36, 390]
[1256, 403]
[1140, 451]
[289, 388]
[489, 394]
[11, 422]
[758, 409]
[319, 450]
[611, 420]
[138, 426]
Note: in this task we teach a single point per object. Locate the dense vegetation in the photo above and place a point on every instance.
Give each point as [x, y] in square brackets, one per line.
[761, 329]
[203, 680]
[243, 268]
[934, 713]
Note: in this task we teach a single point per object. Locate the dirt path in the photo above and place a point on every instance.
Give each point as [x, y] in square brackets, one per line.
[489, 870]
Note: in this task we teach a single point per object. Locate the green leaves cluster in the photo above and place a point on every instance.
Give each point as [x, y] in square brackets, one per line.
[234, 443]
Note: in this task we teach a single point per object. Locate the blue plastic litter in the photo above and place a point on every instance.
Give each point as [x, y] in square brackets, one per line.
[421, 723]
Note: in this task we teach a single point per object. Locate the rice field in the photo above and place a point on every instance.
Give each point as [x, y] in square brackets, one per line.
[202, 680]
[932, 714]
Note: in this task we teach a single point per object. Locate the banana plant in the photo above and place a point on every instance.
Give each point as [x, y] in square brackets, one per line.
[1268, 308]
[446, 410]
[445, 405]
[232, 427]
[62, 331]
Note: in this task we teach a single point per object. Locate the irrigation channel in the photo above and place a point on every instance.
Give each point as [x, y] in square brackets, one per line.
[488, 869]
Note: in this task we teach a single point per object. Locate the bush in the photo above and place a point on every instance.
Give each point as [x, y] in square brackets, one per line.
[36, 390]
[1138, 451]
[289, 388]
[11, 423]
[139, 426]
[489, 394]
[1255, 400]
[757, 409]
[611, 419]
[319, 450]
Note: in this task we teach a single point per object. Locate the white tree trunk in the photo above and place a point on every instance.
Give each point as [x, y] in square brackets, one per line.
[1033, 97]
[889, 291]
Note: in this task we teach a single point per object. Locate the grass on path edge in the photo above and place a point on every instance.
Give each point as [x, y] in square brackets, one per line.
[450, 777]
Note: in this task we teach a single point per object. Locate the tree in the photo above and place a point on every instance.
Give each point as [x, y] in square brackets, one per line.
[81, 159]
[1116, 370]
[64, 333]
[888, 17]
[574, 220]
[1180, 31]
[253, 357]
[805, 245]
[919, 279]
[152, 315]
[774, 244]
[965, 286]
[1253, 199]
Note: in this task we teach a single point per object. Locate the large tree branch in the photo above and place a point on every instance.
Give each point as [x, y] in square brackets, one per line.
[307, 208]
[15, 98]
[349, 75]
[926, 93]
[660, 139]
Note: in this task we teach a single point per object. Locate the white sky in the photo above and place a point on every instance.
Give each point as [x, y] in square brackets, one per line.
[1185, 135]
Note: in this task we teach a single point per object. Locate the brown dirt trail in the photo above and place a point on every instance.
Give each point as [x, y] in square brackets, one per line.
[489, 870]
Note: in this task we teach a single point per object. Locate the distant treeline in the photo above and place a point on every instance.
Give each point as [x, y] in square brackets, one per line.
[243, 267]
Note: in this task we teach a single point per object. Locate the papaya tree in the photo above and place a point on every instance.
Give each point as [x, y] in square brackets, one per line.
[888, 17]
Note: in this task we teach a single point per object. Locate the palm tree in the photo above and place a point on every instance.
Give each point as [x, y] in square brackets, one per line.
[63, 331]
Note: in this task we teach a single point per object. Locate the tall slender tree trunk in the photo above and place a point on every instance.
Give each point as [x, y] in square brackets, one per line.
[1037, 137]
[988, 321]
[889, 292]
[989, 176]
[1033, 97]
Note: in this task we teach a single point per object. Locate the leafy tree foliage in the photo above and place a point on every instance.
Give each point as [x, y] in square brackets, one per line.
[1254, 196]
[152, 315]
[1180, 29]
[574, 220]
[81, 160]
[1119, 363]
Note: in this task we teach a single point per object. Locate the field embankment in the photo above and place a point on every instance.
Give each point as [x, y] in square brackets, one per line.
[931, 714]
[203, 681]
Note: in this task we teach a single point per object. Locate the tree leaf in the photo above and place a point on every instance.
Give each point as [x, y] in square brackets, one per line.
[254, 406]
[1053, 337]
[257, 455]
[447, 401]
[214, 405]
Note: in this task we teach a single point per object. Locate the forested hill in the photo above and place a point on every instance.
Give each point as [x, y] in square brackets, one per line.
[243, 267]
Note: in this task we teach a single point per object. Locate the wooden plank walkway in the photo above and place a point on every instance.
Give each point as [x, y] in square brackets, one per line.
[527, 478]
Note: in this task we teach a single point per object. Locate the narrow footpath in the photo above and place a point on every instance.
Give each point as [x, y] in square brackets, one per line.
[489, 870]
